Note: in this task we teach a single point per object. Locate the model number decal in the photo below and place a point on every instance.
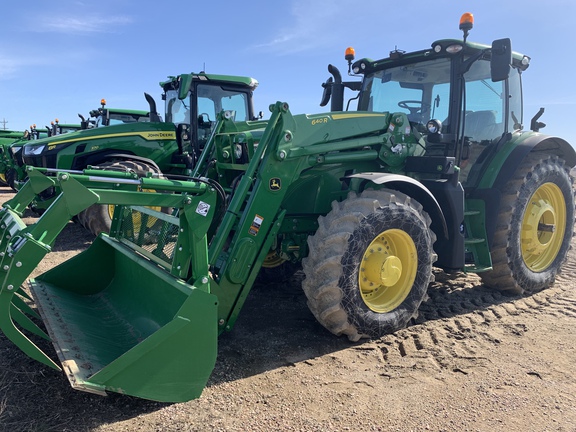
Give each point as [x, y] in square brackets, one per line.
[320, 121]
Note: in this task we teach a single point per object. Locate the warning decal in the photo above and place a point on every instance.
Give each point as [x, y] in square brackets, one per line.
[256, 223]
[203, 208]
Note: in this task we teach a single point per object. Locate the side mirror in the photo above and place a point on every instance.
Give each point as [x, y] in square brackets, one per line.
[185, 85]
[501, 60]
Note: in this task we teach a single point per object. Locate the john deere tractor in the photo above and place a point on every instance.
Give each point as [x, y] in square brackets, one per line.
[112, 116]
[12, 168]
[7, 137]
[140, 141]
[433, 168]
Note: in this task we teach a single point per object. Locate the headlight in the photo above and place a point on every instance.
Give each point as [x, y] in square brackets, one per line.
[434, 126]
[454, 49]
[34, 150]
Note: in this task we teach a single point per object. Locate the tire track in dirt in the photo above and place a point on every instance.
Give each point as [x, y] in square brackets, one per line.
[462, 320]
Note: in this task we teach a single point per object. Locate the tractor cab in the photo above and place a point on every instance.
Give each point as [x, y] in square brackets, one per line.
[453, 100]
[109, 116]
[192, 102]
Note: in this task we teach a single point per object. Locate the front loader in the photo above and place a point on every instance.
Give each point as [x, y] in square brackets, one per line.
[367, 200]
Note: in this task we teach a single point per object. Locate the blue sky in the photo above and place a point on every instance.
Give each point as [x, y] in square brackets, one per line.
[58, 59]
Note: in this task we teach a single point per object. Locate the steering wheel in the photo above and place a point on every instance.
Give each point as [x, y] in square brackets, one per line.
[420, 108]
[205, 115]
[204, 120]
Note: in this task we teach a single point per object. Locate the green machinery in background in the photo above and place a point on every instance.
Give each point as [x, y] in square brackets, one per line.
[7, 137]
[433, 168]
[140, 141]
[12, 168]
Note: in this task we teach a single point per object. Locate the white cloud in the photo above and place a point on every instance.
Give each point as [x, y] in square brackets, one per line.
[315, 24]
[77, 25]
[11, 64]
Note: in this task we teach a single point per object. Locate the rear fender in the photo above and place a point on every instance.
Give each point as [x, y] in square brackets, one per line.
[506, 167]
[501, 170]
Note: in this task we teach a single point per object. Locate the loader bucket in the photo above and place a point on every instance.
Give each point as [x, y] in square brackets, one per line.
[121, 318]
[118, 323]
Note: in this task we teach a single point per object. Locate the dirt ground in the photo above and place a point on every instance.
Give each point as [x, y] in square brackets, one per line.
[474, 360]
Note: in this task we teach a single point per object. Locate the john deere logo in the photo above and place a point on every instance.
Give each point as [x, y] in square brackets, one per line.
[275, 184]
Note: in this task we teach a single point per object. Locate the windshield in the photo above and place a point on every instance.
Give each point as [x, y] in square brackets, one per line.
[211, 100]
[110, 118]
[421, 90]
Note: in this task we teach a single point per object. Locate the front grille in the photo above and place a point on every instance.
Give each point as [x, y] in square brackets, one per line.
[42, 161]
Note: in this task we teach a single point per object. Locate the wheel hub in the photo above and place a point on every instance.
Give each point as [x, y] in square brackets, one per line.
[539, 227]
[543, 227]
[388, 270]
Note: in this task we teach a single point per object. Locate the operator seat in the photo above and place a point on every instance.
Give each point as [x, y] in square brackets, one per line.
[482, 126]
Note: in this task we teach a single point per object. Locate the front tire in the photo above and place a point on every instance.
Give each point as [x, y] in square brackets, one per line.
[98, 217]
[534, 227]
[369, 264]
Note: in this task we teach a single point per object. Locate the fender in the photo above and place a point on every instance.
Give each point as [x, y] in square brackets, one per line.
[501, 170]
[505, 168]
[414, 189]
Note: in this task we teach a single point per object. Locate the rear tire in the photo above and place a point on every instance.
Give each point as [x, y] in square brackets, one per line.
[98, 217]
[369, 264]
[534, 227]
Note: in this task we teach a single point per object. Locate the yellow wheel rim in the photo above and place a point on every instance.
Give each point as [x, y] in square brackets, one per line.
[543, 227]
[136, 216]
[388, 270]
[273, 260]
[111, 211]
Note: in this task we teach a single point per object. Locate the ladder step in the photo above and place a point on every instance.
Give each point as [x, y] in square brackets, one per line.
[474, 240]
[471, 212]
[472, 268]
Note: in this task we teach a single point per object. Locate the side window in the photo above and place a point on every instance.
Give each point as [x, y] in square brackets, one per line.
[236, 103]
[515, 99]
[485, 104]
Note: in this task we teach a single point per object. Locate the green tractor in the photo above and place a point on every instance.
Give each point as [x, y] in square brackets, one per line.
[7, 137]
[57, 128]
[140, 141]
[12, 170]
[113, 116]
[433, 168]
